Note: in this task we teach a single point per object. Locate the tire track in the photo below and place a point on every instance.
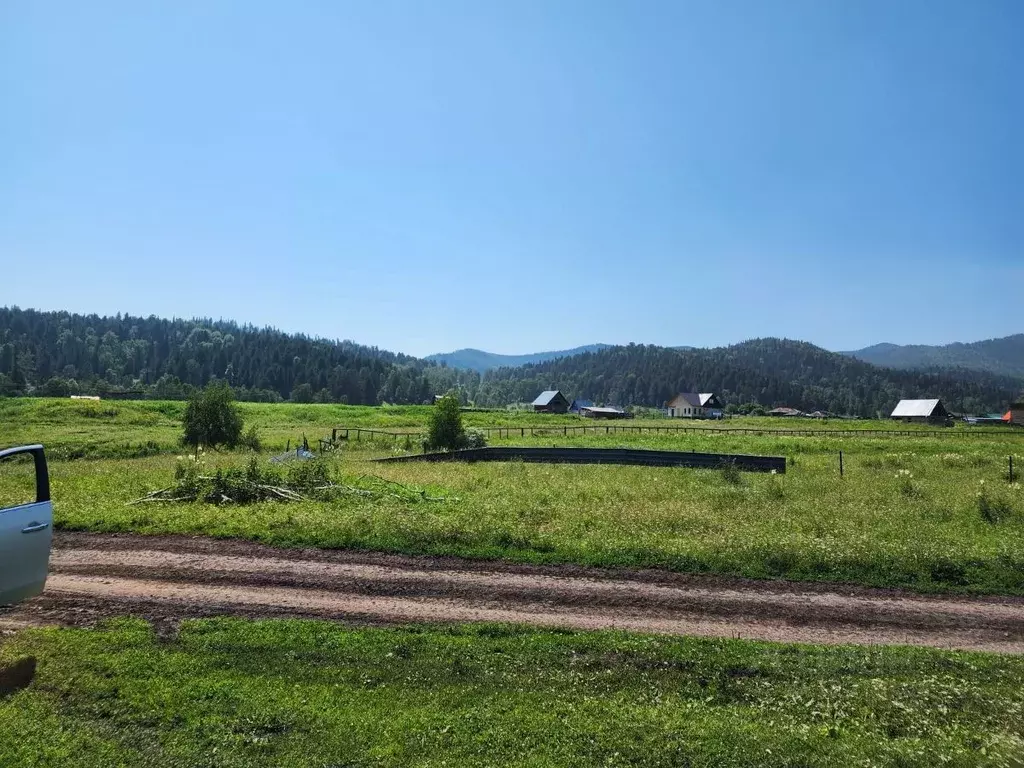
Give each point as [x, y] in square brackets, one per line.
[170, 578]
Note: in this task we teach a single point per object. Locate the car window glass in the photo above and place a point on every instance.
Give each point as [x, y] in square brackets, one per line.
[17, 480]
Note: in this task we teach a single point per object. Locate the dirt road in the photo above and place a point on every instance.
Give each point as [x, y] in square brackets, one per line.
[167, 578]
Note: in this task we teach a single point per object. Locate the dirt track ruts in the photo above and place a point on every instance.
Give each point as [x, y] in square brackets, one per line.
[167, 578]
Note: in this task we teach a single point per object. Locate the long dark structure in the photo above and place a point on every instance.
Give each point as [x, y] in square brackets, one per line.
[635, 456]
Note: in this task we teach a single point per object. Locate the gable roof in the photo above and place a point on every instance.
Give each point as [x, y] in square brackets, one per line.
[546, 397]
[685, 398]
[705, 397]
[785, 410]
[603, 409]
[577, 404]
[907, 408]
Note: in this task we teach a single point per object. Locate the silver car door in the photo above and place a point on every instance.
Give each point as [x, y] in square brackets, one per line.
[25, 528]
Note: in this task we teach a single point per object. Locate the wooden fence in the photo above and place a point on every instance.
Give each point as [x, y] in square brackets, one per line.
[571, 430]
[638, 457]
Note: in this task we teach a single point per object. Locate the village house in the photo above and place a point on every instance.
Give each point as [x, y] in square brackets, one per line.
[694, 405]
[551, 401]
[920, 411]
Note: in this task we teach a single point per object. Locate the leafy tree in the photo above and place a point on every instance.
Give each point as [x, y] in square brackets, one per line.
[212, 418]
[303, 393]
[445, 430]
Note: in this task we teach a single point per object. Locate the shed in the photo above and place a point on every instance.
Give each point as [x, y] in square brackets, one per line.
[784, 410]
[1016, 414]
[610, 412]
[551, 401]
[578, 405]
[921, 411]
[693, 405]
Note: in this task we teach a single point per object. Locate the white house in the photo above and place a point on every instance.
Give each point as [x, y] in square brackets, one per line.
[694, 405]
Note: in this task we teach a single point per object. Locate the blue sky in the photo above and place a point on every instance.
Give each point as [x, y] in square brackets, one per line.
[520, 176]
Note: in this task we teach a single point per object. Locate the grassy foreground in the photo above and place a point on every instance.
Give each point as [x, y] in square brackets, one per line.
[237, 693]
[934, 514]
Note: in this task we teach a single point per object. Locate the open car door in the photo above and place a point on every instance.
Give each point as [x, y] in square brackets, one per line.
[26, 523]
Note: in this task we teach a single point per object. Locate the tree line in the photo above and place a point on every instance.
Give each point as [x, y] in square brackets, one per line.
[60, 353]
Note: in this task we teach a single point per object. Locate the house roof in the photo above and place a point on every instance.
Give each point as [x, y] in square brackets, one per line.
[705, 397]
[545, 398]
[686, 398]
[784, 410]
[581, 404]
[907, 408]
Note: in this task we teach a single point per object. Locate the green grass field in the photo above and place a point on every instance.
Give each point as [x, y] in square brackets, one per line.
[128, 429]
[300, 693]
[928, 513]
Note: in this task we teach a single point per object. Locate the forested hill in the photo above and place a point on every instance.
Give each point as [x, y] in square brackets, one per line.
[58, 353]
[1003, 356]
[767, 371]
[479, 360]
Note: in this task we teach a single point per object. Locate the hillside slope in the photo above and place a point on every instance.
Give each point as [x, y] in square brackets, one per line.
[479, 360]
[767, 371]
[1003, 356]
[59, 353]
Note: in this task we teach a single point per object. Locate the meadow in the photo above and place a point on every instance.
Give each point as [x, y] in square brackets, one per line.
[226, 692]
[934, 514]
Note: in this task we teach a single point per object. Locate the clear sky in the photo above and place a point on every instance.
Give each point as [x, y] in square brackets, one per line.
[524, 175]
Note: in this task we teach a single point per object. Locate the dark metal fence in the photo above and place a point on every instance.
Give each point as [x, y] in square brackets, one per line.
[605, 456]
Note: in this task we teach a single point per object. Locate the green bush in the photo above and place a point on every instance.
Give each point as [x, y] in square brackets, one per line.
[445, 431]
[212, 418]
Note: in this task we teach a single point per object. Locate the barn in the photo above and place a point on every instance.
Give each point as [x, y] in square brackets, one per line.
[610, 412]
[921, 411]
[578, 405]
[551, 401]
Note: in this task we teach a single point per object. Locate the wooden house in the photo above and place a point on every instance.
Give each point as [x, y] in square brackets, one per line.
[551, 401]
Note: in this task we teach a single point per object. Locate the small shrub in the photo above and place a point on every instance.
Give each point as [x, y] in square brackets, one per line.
[251, 439]
[994, 509]
[905, 482]
[731, 473]
[475, 439]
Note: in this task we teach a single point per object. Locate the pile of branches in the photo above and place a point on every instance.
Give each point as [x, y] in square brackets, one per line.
[298, 482]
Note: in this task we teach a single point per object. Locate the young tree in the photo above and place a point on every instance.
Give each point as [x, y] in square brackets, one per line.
[212, 418]
[445, 430]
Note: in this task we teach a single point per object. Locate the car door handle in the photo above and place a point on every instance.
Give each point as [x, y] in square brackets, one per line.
[33, 527]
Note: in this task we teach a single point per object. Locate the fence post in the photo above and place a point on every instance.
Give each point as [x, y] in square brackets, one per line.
[334, 436]
[840, 463]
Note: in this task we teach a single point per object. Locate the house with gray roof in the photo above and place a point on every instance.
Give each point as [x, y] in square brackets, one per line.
[921, 411]
[694, 405]
[551, 401]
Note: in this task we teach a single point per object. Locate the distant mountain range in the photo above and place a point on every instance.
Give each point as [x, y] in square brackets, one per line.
[768, 371]
[480, 361]
[1004, 356]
